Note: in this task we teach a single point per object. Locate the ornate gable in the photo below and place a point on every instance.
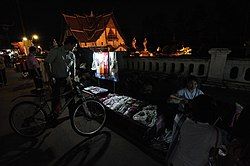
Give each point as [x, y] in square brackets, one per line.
[89, 29]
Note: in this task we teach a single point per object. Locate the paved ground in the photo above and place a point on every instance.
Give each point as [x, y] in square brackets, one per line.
[61, 145]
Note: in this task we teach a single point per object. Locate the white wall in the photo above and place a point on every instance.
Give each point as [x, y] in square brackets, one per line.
[242, 65]
[165, 65]
[217, 68]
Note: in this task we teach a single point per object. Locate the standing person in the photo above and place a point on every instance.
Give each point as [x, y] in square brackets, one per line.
[58, 65]
[34, 68]
[7, 60]
[3, 78]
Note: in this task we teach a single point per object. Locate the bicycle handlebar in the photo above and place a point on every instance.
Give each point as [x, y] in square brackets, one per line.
[80, 90]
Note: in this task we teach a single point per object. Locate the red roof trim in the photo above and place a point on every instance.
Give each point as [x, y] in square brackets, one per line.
[87, 28]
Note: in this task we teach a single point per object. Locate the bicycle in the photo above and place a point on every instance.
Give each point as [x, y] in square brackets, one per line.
[29, 119]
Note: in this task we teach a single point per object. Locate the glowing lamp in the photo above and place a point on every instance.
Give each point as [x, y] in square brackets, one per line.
[35, 37]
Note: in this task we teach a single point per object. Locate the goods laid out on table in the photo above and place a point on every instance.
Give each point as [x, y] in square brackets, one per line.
[96, 90]
[134, 109]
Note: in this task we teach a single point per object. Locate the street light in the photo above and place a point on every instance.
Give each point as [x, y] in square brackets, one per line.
[35, 37]
[25, 39]
[27, 42]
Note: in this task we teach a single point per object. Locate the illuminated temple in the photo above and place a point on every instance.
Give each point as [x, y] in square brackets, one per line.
[98, 32]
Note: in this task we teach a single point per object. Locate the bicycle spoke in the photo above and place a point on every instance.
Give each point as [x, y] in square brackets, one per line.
[91, 123]
[27, 119]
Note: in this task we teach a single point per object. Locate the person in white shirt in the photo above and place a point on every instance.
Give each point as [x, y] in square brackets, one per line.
[189, 92]
[170, 113]
[60, 66]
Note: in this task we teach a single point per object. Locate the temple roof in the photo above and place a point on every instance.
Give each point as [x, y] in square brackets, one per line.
[88, 28]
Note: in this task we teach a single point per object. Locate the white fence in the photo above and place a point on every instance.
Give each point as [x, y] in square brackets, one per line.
[237, 70]
[216, 69]
[197, 67]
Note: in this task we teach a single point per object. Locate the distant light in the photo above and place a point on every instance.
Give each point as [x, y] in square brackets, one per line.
[25, 39]
[35, 37]
[38, 46]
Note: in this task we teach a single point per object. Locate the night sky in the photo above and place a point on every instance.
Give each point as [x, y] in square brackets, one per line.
[193, 22]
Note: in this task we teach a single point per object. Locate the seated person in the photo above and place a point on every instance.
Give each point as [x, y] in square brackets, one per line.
[189, 92]
[176, 103]
[197, 135]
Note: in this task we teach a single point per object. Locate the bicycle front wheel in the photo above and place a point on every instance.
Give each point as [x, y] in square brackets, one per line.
[89, 118]
[28, 119]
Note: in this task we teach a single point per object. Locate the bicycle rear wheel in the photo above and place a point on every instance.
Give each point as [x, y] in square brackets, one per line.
[89, 118]
[28, 119]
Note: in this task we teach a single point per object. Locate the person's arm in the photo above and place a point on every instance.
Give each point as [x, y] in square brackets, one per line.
[200, 92]
[177, 97]
[70, 62]
[174, 96]
[48, 60]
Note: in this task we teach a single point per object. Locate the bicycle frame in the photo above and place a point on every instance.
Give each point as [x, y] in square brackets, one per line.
[43, 117]
[44, 101]
[82, 97]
